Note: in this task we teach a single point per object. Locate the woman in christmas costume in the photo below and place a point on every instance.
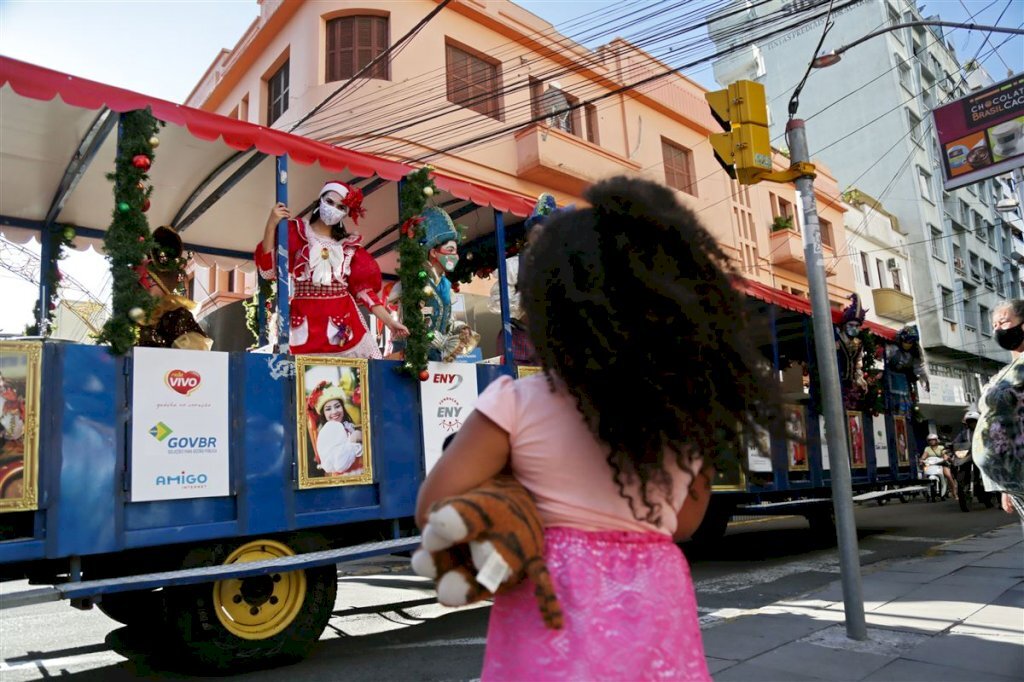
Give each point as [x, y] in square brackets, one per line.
[334, 416]
[330, 274]
[616, 439]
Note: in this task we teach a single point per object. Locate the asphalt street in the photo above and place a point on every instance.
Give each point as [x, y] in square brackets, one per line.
[388, 626]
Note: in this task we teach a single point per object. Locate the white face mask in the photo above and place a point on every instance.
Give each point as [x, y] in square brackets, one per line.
[331, 215]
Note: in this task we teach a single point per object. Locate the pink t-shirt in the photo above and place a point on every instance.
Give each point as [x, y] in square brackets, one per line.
[557, 458]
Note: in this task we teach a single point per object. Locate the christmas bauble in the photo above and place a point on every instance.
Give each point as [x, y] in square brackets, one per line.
[123, 206]
[430, 336]
[141, 186]
[428, 191]
[141, 161]
[145, 205]
[154, 142]
[422, 274]
[136, 314]
[424, 375]
[69, 233]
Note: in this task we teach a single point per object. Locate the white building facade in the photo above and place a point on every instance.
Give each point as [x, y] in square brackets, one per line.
[868, 118]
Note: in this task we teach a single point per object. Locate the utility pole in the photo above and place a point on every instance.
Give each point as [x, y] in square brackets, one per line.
[831, 394]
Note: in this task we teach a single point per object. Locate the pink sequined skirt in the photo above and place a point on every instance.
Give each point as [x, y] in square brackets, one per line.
[630, 614]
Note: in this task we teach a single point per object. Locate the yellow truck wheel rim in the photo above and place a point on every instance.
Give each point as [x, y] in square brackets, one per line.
[260, 606]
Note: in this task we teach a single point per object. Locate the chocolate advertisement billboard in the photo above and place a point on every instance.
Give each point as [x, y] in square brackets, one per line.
[982, 135]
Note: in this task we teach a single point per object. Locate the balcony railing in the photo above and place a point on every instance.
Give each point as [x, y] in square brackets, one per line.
[893, 304]
[788, 251]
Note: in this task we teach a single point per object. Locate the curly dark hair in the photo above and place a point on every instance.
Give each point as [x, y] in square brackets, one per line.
[630, 304]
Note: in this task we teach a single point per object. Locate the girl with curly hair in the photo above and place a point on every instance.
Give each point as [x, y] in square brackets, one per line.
[650, 370]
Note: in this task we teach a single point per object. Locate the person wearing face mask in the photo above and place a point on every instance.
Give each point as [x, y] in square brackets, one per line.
[850, 353]
[998, 446]
[331, 274]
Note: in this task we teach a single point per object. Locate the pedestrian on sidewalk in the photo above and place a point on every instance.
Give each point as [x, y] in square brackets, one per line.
[999, 438]
[650, 369]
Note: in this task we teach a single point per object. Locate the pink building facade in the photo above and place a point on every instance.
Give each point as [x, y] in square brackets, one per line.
[471, 93]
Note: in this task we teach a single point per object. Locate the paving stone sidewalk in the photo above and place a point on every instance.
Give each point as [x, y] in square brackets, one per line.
[955, 614]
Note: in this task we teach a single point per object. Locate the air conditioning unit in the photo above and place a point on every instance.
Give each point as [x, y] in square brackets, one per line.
[891, 264]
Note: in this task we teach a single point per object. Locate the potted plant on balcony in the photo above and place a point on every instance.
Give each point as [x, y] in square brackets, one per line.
[782, 222]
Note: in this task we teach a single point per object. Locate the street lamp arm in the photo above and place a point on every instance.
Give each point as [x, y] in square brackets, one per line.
[949, 24]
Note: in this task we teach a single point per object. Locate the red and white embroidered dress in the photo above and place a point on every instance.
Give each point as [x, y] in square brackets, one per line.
[327, 278]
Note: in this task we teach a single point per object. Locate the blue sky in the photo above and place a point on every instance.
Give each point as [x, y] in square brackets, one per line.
[162, 48]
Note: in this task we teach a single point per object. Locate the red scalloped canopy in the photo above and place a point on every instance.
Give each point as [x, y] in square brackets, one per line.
[800, 304]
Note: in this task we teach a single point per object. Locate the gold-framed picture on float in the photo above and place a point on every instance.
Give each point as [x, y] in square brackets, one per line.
[796, 437]
[855, 432]
[20, 376]
[333, 421]
[523, 371]
[899, 424]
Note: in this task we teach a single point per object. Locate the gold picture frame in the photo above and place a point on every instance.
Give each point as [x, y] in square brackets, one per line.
[523, 371]
[855, 433]
[795, 419]
[899, 424]
[20, 377]
[329, 455]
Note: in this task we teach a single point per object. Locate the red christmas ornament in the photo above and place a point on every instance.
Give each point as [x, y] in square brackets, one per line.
[141, 161]
[141, 239]
[145, 205]
[455, 287]
[424, 375]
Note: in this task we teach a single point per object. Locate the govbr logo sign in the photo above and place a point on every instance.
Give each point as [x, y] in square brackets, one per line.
[160, 431]
[183, 381]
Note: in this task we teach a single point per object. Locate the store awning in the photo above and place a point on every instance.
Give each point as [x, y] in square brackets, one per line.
[799, 304]
[205, 161]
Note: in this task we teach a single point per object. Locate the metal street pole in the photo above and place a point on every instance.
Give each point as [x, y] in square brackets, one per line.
[831, 395]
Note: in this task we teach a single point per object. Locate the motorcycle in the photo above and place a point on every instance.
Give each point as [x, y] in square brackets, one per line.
[968, 480]
[933, 471]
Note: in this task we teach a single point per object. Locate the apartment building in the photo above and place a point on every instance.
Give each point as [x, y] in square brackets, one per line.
[868, 118]
[490, 71]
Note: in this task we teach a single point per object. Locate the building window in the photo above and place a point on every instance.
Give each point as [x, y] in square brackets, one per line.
[679, 170]
[975, 264]
[897, 280]
[243, 109]
[986, 321]
[827, 238]
[473, 82]
[924, 179]
[865, 268]
[970, 308]
[937, 249]
[354, 42]
[997, 275]
[904, 74]
[880, 268]
[916, 133]
[277, 94]
[986, 269]
[991, 230]
[958, 259]
[592, 128]
[948, 306]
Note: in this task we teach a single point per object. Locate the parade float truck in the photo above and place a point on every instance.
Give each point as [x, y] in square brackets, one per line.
[178, 490]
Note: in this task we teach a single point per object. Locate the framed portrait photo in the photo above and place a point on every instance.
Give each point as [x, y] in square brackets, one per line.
[796, 437]
[333, 421]
[902, 441]
[523, 371]
[855, 432]
[20, 365]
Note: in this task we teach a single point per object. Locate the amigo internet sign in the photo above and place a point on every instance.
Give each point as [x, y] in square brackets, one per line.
[982, 135]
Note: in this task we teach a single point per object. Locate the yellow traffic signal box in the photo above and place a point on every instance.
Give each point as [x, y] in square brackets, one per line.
[745, 150]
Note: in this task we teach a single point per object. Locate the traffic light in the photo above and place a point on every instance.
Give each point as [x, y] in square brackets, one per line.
[745, 150]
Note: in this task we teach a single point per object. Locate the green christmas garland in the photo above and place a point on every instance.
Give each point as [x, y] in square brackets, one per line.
[417, 188]
[128, 241]
[60, 239]
[267, 289]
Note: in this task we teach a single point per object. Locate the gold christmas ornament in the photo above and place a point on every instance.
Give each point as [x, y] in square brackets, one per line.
[136, 314]
[428, 191]
[154, 142]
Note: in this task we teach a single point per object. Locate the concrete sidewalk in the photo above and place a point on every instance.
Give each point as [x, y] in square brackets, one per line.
[956, 614]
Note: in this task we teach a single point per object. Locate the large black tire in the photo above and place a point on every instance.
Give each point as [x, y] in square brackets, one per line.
[207, 644]
[133, 609]
[822, 521]
[713, 527]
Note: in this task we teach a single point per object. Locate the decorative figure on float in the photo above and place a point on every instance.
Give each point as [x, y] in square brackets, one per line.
[450, 338]
[170, 324]
[850, 353]
[905, 357]
[331, 272]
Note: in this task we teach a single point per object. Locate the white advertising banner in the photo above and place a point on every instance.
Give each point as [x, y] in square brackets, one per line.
[881, 442]
[180, 425]
[824, 444]
[448, 396]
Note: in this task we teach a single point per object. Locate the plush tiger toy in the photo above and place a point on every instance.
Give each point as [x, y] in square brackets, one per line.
[485, 541]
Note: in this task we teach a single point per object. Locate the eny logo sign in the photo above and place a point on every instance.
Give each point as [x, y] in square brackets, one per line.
[450, 381]
[183, 382]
